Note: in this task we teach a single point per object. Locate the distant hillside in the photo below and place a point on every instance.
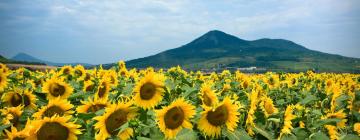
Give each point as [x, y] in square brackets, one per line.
[9, 61]
[217, 48]
[28, 58]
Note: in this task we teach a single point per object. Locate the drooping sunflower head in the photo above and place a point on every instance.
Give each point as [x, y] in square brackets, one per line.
[103, 88]
[149, 90]
[171, 119]
[12, 115]
[3, 81]
[268, 106]
[92, 105]
[56, 106]
[224, 114]
[56, 87]
[53, 128]
[207, 95]
[114, 117]
[79, 72]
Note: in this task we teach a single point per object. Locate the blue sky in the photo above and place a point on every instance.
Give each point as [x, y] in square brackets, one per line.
[107, 31]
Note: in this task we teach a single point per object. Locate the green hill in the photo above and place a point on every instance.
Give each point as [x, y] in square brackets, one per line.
[217, 48]
[23, 57]
[10, 61]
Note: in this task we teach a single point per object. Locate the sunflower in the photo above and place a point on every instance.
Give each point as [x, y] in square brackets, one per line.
[114, 117]
[58, 106]
[12, 115]
[14, 134]
[55, 87]
[207, 95]
[149, 90]
[224, 114]
[54, 128]
[268, 106]
[20, 97]
[171, 119]
[113, 78]
[66, 70]
[103, 88]
[3, 81]
[79, 72]
[121, 64]
[332, 131]
[124, 72]
[357, 128]
[89, 86]
[92, 105]
[288, 117]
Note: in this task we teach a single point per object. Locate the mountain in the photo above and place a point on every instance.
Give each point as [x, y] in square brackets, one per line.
[28, 58]
[216, 48]
[10, 61]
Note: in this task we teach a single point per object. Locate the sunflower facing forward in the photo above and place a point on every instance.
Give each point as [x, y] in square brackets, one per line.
[171, 119]
[20, 97]
[53, 128]
[114, 117]
[79, 72]
[66, 70]
[56, 87]
[57, 106]
[92, 105]
[212, 119]
[149, 90]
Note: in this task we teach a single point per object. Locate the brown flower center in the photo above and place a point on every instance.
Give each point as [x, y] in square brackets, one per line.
[52, 131]
[66, 71]
[51, 111]
[18, 138]
[122, 73]
[94, 108]
[15, 120]
[102, 89]
[78, 73]
[26, 100]
[57, 90]
[147, 91]
[115, 120]
[89, 88]
[219, 116]
[87, 77]
[16, 99]
[174, 118]
[207, 100]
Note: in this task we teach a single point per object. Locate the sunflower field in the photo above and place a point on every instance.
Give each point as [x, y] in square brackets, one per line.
[71, 103]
